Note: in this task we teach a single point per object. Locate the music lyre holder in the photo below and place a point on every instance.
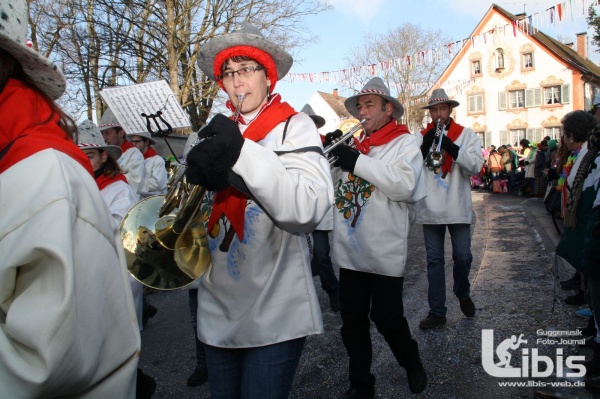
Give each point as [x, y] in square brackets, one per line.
[161, 132]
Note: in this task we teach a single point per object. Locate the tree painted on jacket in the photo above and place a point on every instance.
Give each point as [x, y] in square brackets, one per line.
[351, 196]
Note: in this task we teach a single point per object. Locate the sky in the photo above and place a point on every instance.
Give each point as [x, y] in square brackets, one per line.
[344, 27]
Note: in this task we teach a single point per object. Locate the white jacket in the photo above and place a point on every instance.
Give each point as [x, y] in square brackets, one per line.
[156, 176]
[261, 290]
[68, 326]
[132, 165]
[448, 200]
[370, 231]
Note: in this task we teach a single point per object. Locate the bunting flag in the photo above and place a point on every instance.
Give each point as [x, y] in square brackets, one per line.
[527, 26]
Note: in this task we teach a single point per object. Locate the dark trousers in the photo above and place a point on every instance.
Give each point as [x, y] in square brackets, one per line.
[200, 353]
[364, 295]
[321, 248]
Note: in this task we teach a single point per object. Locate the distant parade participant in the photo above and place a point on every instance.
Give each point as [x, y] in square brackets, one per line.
[376, 186]
[66, 311]
[132, 160]
[448, 206]
[156, 176]
[257, 302]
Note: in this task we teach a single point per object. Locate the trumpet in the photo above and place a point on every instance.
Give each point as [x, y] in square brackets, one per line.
[435, 158]
[343, 140]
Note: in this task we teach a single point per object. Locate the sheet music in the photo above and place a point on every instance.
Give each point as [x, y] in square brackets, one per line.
[129, 102]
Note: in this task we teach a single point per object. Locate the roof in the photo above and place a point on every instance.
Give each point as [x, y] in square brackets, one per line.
[336, 103]
[564, 52]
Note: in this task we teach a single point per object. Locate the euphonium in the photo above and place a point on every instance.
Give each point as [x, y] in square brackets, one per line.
[164, 236]
[435, 158]
[346, 139]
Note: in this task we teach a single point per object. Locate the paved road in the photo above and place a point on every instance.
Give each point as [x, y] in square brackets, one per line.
[513, 287]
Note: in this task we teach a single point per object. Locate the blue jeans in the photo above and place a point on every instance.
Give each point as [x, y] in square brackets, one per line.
[364, 295]
[193, 301]
[460, 235]
[264, 372]
[329, 281]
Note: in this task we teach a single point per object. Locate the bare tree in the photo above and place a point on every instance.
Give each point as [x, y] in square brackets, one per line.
[102, 43]
[409, 71]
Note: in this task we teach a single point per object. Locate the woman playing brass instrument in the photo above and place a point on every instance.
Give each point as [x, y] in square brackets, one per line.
[257, 301]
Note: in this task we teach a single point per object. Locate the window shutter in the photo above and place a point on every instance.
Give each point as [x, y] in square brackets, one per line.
[529, 98]
[480, 103]
[487, 138]
[539, 134]
[502, 101]
[504, 137]
[566, 93]
[537, 97]
[472, 104]
[529, 135]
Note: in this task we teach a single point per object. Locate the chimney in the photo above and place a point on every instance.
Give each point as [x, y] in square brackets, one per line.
[335, 93]
[582, 44]
[570, 45]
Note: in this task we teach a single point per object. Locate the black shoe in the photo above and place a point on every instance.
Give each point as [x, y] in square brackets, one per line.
[588, 343]
[432, 320]
[145, 385]
[570, 285]
[589, 330]
[417, 378]
[577, 299]
[198, 377]
[359, 393]
[334, 302]
[148, 313]
[467, 307]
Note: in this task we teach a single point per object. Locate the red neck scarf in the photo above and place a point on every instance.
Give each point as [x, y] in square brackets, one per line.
[231, 202]
[126, 145]
[103, 180]
[453, 133]
[23, 115]
[150, 152]
[380, 137]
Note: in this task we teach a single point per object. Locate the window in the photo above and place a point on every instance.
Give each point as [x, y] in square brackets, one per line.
[482, 137]
[517, 135]
[553, 132]
[516, 99]
[476, 67]
[499, 58]
[552, 95]
[475, 102]
[527, 60]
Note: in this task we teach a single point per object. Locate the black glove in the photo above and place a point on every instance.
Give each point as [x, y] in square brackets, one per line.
[329, 137]
[427, 142]
[346, 157]
[210, 161]
[450, 147]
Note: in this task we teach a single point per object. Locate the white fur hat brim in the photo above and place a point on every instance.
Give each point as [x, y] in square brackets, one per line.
[13, 39]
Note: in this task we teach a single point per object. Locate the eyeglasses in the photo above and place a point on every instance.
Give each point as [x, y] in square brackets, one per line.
[244, 72]
[136, 141]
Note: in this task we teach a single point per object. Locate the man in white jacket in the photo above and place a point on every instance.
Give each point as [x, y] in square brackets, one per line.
[156, 176]
[132, 160]
[448, 205]
[376, 187]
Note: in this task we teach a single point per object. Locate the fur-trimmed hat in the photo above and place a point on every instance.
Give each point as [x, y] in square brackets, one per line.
[439, 96]
[377, 87]
[90, 138]
[108, 120]
[13, 39]
[318, 120]
[245, 40]
[145, 135]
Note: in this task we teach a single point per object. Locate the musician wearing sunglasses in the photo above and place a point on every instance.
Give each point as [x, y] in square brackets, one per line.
[269, 186]
[155, 172]
[377, 181]
[448, 205]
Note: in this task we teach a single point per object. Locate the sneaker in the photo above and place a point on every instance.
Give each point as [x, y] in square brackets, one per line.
[198, 377]
[145, 385]
[584, 312]
[467, 307]
[334, 302]
[359, 393]
[432, 320]
[417, 378]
